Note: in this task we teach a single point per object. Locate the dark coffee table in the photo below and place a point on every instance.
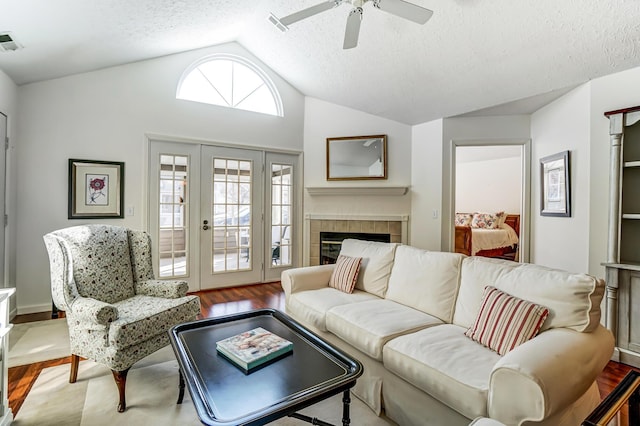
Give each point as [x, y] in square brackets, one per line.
[224, 395]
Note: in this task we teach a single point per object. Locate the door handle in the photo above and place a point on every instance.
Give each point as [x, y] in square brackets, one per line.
[205, 227]
[205, 224]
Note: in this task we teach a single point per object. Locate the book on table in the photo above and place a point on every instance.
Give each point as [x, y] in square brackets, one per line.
[253, 348]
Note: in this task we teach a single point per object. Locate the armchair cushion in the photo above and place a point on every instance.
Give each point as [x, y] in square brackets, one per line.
[142, 317]
[94, 311]
[101, 261]
[162, 288]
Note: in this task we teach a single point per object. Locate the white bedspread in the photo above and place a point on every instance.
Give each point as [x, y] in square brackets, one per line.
[487, 239]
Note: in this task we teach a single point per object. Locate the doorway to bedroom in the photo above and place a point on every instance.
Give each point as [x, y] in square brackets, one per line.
[491, 198]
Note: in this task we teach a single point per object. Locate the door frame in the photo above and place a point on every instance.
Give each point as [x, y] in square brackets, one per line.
[525, 208]
[298, 220]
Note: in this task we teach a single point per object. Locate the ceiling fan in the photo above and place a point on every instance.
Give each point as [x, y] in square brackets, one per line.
[400, 8]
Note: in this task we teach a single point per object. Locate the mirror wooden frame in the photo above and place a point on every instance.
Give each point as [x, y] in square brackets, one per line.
[357, 158]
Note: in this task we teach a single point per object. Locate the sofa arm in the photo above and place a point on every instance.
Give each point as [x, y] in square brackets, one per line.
[546, 374]
[92, 310]
[168, 289]
[306, 278]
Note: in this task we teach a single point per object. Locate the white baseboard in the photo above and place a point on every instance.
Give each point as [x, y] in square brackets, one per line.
[34, 309]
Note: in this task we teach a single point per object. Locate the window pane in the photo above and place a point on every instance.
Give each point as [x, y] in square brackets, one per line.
[231, 83]
[232, 217]
[172, 251]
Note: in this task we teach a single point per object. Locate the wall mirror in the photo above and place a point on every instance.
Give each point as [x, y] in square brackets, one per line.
[357, 157]
[555, 196]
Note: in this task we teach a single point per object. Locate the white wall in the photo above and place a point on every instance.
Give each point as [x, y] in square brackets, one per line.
[426, 185]
[9, 107]
[489, 186]
[324, 120]
[104, 115]
[563, 242]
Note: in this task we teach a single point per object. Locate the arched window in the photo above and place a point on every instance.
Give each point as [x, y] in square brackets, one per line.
[230, 81]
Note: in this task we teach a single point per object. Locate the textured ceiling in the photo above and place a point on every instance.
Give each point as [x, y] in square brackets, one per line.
[471, 55]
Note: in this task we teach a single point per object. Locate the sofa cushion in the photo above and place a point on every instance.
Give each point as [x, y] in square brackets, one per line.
[345, 273]
[369, 325]
[573, 299]
[377, 260]
[425, 280]
[477, 273]
[311, 306]
[447, 365]
[505, 322]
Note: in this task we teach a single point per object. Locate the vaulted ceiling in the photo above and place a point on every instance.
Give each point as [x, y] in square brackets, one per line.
[471, 55]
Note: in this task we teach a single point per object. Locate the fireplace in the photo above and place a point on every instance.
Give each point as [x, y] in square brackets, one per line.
[331, 243]
[388, 228]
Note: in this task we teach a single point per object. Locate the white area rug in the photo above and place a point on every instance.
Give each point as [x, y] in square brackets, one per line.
[38, 341]
[152, 390]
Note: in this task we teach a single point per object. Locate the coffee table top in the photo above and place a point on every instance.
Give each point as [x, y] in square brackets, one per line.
[224, 395]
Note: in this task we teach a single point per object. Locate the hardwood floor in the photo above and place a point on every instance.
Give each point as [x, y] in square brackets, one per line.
[217, 303]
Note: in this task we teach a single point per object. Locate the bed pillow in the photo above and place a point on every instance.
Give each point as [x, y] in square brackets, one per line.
[345, 273]
[487, 220]
[505, 322]
[463, 219]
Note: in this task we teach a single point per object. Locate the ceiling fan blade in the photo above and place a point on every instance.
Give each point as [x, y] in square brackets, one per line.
[283, 23]
[403, 9]
[352, 32]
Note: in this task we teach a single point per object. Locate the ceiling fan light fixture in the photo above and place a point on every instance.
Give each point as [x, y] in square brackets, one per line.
[400, 8]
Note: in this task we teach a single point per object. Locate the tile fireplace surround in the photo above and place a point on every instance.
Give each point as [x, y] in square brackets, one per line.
[394, 225]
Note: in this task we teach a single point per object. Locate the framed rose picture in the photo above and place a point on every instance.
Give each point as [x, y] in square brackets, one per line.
[96, 189]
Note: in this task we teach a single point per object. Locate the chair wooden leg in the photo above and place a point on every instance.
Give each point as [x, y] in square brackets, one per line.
[75, 360]
[121, 380]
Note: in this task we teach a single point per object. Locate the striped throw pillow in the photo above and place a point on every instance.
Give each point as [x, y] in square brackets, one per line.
[505, 321]
[345, 274]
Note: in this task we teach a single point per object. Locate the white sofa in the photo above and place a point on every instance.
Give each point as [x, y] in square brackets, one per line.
[406, 318]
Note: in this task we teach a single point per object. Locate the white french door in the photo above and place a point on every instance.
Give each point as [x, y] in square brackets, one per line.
[231, 212]
[222, 216]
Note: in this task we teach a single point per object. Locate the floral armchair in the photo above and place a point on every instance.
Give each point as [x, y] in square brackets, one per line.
[117, 313]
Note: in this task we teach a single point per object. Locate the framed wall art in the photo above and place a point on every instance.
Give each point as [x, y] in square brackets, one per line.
[555, 185]
[96, 189]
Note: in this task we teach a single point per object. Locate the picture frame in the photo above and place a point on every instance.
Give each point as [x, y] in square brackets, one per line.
[96, 189]
[555, 185]
[357, 158]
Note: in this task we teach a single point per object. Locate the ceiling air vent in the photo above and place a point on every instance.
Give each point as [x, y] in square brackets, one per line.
[7, 43]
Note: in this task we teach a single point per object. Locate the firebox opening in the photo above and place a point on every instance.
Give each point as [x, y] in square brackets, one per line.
[331, 243]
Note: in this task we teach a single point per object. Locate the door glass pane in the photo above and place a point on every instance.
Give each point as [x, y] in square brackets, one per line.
[281, 207]
[231, 209]
[173, 210]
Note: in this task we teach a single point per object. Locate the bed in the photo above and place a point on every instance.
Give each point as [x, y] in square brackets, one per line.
[501, 242]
